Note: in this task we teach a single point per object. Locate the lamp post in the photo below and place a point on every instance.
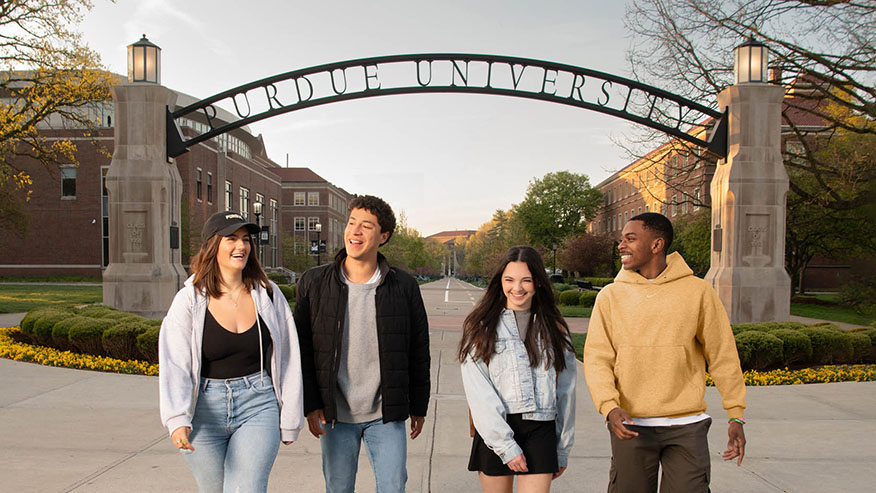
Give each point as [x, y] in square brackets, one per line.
[318, 243]
[750, 62]
[144, 62]
[257, 210]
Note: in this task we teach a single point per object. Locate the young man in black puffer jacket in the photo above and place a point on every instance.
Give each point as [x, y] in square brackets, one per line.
[364, 340]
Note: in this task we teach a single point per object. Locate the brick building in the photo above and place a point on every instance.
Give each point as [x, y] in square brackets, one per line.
[68, 216]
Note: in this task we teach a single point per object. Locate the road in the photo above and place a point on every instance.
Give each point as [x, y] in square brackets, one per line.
[448, 301]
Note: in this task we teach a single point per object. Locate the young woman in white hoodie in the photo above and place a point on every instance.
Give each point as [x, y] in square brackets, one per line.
[230, 368]
[518, 370]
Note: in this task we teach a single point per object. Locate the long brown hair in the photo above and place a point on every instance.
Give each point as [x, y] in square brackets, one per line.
[208, 277]
[546, 324]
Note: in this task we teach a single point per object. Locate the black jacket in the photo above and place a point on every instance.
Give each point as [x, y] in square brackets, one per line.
[402, 338]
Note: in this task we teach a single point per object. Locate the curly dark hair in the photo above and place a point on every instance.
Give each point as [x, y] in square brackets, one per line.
[376, 206]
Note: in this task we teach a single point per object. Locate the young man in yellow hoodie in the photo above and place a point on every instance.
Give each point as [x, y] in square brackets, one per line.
[651, 335]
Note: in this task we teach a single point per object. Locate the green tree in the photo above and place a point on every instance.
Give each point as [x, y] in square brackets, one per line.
[557, 207]
[298, 262]
[486, 247]
[693, 240]
[45, 71]
[590, 254]
[407, 250]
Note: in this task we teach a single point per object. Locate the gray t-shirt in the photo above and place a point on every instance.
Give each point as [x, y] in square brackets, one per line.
[522, 318]
[359, 398]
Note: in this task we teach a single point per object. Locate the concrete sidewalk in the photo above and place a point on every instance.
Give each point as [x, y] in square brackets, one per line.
[73, 430]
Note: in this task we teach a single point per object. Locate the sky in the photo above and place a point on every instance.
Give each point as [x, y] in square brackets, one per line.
[447, 161]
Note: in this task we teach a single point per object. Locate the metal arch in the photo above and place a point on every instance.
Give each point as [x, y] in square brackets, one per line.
[652, 107]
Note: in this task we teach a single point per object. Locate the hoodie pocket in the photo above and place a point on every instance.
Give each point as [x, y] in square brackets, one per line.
[656, 381]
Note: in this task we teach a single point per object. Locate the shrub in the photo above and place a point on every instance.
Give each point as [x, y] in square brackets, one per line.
[796, 346]
[828, 325]
[147, 343]
[766, 326]
[154, 322]
[33, 315]
[563, 287]
[61, 331]
[765, 349]
[42, 328]
[860, 295]
[870, 357]
[828, 346]
[85, 335]
[120, 340]
[288, 291]
[860, 346]
[587, 298]
[600, 281]
[556, 295]
[98, 311]
[278, 278]
[746, 327]
[569, 297]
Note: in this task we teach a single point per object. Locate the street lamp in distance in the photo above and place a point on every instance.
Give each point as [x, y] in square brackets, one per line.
[318, 243]
[257, 210]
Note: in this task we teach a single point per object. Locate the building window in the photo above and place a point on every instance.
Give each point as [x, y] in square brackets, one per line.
[261, 198]
[198, 184]
[209, 188]
[299, 224]
[68, 182]
[696, 205]
[656, 207]
[311, 223]
[684, 207]
[312, 198]
[299, 248]
[275, 218]
[647, 209]
[640, 210]
[229, 195]
[299, 198]
[674, 205]
[244, 202]
[626, 217]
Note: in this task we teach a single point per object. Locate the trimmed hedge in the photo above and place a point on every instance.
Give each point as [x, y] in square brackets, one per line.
[765, 349]
[600, 281]
[569, 297]
[42, 328]
[120, 340]
[796, 347]
[563, 287]
[147, 343]
[870, 357]
[288, 291]
[587, 298]
[61, 332]
[99, 311]
[86, 335]
[32, 316]
[860, 346]
[828, 346]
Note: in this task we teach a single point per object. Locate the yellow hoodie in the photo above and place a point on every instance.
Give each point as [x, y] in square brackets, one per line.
[648, 343]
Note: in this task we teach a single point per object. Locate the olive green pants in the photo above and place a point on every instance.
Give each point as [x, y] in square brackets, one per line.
[682, 452]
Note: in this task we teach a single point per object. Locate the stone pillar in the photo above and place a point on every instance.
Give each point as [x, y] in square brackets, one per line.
[749, 192]
[144, 191]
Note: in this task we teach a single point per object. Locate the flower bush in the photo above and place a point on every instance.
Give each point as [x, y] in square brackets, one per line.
[824, 374]
[19, 351]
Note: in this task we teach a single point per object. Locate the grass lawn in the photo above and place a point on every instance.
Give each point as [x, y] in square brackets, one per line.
[834, 313]
[569, 311]
[16, 299]
[578, 342]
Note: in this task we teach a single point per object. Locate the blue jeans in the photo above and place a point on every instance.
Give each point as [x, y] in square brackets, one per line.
[235, 433]
[387, 448]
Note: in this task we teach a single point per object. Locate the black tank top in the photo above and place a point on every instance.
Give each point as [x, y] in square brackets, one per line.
[226, 354]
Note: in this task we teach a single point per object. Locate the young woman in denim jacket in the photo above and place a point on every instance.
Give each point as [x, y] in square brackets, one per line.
[230, 370]
[518, 369]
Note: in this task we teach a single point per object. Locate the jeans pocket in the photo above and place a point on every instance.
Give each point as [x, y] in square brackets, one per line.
[263, 386]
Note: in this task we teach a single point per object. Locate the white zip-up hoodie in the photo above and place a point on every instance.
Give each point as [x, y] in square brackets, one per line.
[179, 357]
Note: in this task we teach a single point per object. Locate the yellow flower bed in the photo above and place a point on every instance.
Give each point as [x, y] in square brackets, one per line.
[18, 351]
[824, 374]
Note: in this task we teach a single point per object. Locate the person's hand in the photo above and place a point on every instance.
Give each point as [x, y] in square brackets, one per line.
[616, 419]
[736, 445]
[180, 438]
[518, 464]
[315, 420]
[558, 473]
[417, 425]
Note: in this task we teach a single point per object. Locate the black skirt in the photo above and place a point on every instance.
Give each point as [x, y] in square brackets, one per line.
[538, 439]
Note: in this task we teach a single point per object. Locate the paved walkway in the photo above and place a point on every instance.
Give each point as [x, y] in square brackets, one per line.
[73, 430]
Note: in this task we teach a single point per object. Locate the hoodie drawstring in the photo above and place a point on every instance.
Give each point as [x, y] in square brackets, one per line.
[261, 345]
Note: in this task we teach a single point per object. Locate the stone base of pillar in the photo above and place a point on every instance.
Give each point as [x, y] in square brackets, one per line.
[139, 289]
[753, 294]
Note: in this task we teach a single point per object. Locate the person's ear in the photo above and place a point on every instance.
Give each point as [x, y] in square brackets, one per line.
[657, 245]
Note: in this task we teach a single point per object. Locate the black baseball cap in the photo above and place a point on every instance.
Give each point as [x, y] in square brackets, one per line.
[224, 223]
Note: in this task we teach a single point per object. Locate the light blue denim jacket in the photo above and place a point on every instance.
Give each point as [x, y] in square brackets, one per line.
[508, 385]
